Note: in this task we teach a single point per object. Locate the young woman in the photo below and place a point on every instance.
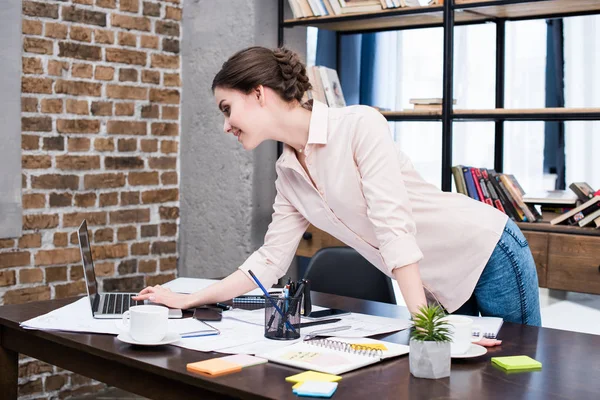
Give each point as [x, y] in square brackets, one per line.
[341, 171]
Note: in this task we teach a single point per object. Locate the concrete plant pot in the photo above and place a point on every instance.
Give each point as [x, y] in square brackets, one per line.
[429, 360]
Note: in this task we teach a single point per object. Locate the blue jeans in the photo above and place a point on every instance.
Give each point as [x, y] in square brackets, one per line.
[508, 286]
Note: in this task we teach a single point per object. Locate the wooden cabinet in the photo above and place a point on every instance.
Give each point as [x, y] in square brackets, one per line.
[538, 243]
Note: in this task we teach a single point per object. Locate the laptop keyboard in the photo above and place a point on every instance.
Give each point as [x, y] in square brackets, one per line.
[118, 303]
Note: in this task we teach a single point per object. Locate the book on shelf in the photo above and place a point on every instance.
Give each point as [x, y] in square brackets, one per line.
[562, 198]
[314, 77]
[428, 101]
[583, 191]
[597, 222]
[589, 219]
[332, 87]
[360, 6]
[578, 213]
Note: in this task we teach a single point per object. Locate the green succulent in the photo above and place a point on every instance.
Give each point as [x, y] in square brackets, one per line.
[429, 326]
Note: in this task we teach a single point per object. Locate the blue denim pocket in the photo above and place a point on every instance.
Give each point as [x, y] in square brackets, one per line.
[513, 230]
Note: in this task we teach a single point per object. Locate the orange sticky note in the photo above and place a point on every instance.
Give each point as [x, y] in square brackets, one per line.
[214, 367]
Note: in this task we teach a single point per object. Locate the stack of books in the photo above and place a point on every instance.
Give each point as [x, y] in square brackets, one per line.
[323, 8]
[326, 86]
[428, 104]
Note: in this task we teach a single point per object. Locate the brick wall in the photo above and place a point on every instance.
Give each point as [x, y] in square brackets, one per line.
[101, 90]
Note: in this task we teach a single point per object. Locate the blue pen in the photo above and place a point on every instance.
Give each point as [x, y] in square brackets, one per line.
[287, 323]
[204, 334]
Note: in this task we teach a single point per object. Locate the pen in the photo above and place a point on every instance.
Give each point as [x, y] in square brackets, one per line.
[202, 334]
[317, 333]
[323, 322]
[222, 306]
[272, 301]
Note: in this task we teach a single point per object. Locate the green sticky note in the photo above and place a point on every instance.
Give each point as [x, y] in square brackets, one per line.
[517, 363]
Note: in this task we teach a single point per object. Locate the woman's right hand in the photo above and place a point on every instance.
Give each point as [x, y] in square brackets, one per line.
[161, 295]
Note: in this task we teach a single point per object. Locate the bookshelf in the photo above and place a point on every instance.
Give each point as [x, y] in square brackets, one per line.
[567, 258]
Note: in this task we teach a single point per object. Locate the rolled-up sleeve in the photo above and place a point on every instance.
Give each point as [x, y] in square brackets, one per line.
[388, 205]
[272, 260]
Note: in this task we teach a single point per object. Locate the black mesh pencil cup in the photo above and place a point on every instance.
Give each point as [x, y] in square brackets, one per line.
[282, 317]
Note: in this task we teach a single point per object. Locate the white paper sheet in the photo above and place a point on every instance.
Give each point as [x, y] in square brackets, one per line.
[191, 285]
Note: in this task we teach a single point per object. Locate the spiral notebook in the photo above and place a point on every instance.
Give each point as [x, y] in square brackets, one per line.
[335, 355]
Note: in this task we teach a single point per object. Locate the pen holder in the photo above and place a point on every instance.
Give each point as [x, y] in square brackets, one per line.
[278, 326]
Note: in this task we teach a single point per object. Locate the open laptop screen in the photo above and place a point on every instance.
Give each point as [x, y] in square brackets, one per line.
[88, 263]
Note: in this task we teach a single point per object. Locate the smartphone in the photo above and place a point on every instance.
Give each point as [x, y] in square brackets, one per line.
[207, 314]
[328, 312]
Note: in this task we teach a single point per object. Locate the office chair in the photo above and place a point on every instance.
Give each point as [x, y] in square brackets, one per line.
[342, 271]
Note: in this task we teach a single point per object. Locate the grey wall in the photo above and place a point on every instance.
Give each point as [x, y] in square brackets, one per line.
[226, 192]
[10, 119]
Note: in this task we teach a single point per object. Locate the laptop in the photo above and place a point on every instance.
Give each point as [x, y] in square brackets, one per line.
[105, 305]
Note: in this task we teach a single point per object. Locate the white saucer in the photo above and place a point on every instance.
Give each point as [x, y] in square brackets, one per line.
[171, 337]
[474, 351]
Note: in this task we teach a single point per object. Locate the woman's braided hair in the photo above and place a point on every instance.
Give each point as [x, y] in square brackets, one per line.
[279, 69]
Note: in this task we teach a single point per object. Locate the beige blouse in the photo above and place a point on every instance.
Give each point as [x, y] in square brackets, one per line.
[369, 196]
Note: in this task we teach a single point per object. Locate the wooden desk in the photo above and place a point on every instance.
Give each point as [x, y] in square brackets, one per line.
[571, 364]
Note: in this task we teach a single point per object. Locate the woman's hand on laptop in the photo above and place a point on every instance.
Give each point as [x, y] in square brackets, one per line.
[159, 294]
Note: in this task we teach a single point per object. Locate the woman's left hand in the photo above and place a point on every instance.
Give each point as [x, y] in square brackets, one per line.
[485, 342]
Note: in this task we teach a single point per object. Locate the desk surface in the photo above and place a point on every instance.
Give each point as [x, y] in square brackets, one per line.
[571, 363]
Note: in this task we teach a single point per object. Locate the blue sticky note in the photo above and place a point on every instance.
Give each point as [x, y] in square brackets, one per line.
[316, 389]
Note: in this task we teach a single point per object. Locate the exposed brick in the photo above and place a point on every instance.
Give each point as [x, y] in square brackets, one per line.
[151, 9]
[128, 75]
[34, 368]
[143, 178]
[123, 163]
[149, 145]
[127, 267]
[85, 200]
[167, 28]
[30, 142]
[85, 2]
[36, 162]
[78, 126]
[126, 128]
[126, 145]
[150, 111]
[168, 229]
[126, 92]
[164, 247]
[21, 296]
[168, 212]
[55, 382]
[102, 181]
[127, 109]
[81, 34]
[127, 39]
[105, 73]
[80, 391]
[60, 199]
[101, 108]
[165, 129]
[105, 268]
[54, 143]
[24, 181]
[129, 22]
[173, 13]
[15, 259]
[58, 256]
[151, 77]
[160, 196]
[92, 218]
[134, 283]
[52, 106]
[79, 163]
[61, 239]
[140, 249]
[78, 144]
[104, 144]
[36, 124]
[30, 241]
[37, 46]
[149, 42]
[147, 266]
[79, 107]
[169, 146]
[82, 71]
[8, 278]
[130, 216]
[56, 274]
[76, 272]
[109, 199]
[34, 201]
[36, 85]
[107, 251]
[29, 104]
[129, 5]
[164, 61]
[57, 68]
[159, 279]
[7, 243]
[149, 231]
[79, 51]
[54, 181]
[130, 198]
[126, 56]
[32, 65]
[63, 291]
[169, 96]
[127, 233]
[106, 3]
[104, 36]
[162, 162]
[84, 16]
[77, 88]
[171, 45]
[42, 10]
[56, 30]
[31, 27]
[172, 80]
[103, 235]
[31, 275]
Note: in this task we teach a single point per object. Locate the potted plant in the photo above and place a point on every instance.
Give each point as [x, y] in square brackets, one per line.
[429, 355]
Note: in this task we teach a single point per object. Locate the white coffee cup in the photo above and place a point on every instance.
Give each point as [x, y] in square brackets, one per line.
[146, 323]
[461, 328]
